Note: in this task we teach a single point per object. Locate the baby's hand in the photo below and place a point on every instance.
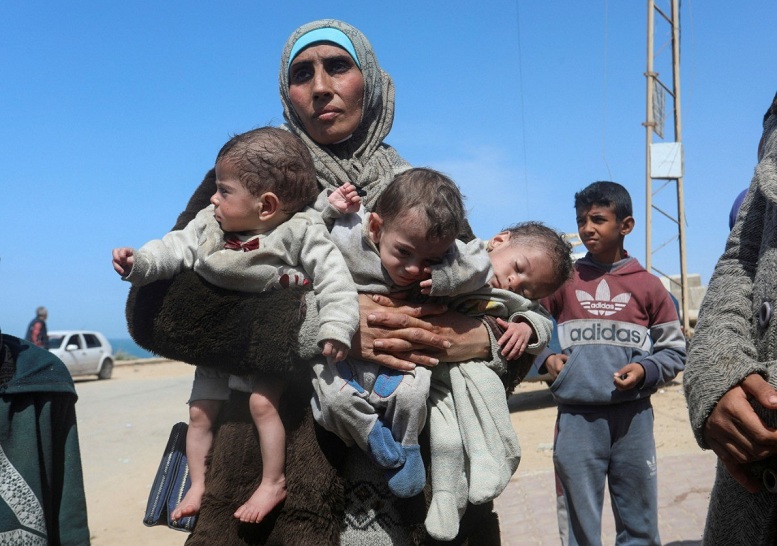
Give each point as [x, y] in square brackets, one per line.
[345, 199]
[123, 260]
[425, 286]
[628, 377]
[334, 351]
[515, 339]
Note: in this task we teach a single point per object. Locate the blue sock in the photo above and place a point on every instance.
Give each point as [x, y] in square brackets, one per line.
[384, 449]
[409, 480]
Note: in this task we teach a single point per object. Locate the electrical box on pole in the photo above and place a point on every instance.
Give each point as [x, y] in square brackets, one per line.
[664, 150]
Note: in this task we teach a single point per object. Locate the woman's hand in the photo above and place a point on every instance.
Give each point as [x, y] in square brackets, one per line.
[401, 335]
[735, 432]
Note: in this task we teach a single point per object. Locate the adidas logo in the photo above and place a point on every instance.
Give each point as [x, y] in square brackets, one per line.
[601, 304]
[652, 466]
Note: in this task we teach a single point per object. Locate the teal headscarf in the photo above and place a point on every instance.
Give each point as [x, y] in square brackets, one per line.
[327, 34]
[364, 159]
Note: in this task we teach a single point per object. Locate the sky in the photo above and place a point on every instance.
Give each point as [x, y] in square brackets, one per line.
[112, 112]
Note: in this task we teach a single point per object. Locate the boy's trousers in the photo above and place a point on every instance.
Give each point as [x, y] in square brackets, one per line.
[613, 442]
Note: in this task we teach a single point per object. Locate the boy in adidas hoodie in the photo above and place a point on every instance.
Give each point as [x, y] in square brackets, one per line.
[620, 339]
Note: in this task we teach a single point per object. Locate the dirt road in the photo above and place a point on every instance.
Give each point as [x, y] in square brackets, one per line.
[123, 425]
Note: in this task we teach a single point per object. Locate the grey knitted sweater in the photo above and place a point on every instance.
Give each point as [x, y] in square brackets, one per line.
[737, 336]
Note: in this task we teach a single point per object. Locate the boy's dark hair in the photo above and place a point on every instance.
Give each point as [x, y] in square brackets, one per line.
[542, 237]
[434, 195]
[605, 194]
[274, 160]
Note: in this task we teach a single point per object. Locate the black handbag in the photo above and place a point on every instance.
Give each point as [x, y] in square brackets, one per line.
[171, 483]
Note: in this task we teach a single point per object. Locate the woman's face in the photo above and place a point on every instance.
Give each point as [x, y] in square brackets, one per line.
[327, 92]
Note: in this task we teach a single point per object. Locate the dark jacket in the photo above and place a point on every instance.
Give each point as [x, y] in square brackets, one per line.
[39, 450]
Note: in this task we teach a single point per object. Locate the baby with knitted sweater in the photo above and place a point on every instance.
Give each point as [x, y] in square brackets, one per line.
[258, 234]
[407, 247]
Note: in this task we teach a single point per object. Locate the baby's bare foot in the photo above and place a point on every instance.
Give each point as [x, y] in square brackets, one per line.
[189, 505]
[267, 496]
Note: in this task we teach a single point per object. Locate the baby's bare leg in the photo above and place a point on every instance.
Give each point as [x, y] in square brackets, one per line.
[272, 438]
[199, 437]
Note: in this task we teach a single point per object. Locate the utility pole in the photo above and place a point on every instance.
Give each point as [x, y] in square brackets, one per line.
[664, 157]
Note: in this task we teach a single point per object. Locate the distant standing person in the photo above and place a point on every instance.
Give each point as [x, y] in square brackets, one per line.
[36, 331]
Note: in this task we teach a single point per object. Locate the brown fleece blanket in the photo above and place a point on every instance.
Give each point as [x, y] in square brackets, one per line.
[332, 491]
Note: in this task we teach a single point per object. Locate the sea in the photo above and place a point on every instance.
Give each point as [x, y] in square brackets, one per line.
[130, 348]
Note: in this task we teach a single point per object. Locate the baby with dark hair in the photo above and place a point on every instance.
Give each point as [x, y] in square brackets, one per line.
[388, 251]
[258, 234]
[408, 244]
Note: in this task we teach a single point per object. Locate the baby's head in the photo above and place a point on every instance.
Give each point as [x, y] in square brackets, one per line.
[415, 221]
[530, 259]
[262, 176]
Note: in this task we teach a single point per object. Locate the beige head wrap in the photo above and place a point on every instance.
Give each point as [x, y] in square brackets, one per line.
[364, 159]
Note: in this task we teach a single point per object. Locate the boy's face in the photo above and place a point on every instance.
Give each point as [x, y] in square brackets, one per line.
[236, 208]
[405, 252]
[602, 233]
[524, 269]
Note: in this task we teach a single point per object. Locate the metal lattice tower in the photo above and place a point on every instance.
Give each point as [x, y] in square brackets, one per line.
[664, 156]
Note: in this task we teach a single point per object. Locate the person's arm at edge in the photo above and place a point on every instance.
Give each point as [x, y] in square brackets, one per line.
[723, 373]
[722, 353]
[736, 433]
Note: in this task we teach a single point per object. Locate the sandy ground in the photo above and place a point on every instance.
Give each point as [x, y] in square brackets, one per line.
[123, 426]
[124, 423]
[534, 414]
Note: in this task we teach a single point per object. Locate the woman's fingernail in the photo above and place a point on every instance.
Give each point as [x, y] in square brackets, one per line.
[378, 344]
[434, 362]
[446, 344]
[370, 317]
